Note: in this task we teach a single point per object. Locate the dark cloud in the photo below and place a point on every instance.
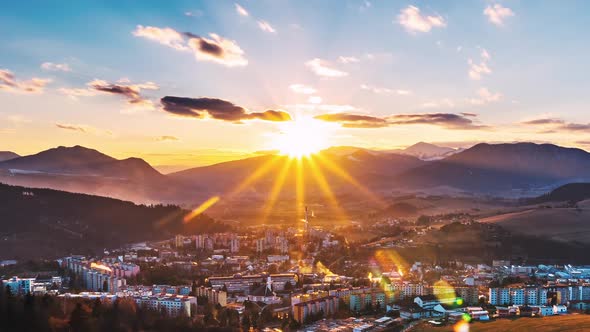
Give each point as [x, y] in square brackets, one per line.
[132, 92]
[553, 125]
[79, 128]
[446, 120]
[217, 109]
[473, 115]
[354, 120]
[205, 46]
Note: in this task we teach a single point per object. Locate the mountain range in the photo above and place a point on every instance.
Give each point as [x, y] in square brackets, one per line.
[498, 169]
[7, 155]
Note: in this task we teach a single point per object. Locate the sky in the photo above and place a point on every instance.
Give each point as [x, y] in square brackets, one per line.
[184, 83]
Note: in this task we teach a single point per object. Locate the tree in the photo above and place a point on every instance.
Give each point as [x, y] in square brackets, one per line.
[80, 318]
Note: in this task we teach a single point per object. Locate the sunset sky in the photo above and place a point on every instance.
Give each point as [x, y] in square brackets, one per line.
[196, 82]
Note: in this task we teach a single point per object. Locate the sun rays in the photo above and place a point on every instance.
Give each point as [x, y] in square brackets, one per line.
[299, 170]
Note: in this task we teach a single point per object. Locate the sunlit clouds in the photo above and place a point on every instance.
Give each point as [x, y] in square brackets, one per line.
[265, 26]
[478, 69]
[324, 68]
[214, 108]
[414, 21]
[9, 83]
[464, 121]
[214, 49]
[165, 36]
[497, 13]
[241, 11]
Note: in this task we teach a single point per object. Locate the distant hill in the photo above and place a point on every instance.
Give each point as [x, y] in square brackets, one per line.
[571, 192]
[84, 170]
[79, 160]
[49, 223]
[497, 167]
[427, 151]
[7, 155]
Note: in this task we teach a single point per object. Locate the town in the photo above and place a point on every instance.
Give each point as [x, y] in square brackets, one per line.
[275, 279]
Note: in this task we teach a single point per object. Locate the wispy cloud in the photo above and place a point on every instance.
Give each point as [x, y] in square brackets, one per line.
[9, 83]
[50, 66]
[302, 88]
[167, 138]
[75, 127]
[324, 68]
[477, 70]
[194, 13]
[414, 21]
[214, 49]
[266, 27]
[348, 59]
[381, 90]
[484, 96]
[219, 109]
[240, 10]
[554, 125]
[348, 120]
[497, 13]
[444, 120]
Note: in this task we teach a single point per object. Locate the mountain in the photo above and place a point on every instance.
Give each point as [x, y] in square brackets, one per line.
[332, 166]
[503, 167]
[84, 170]
[427, 151]
[79, 160]
[7, 155]
[48, 223]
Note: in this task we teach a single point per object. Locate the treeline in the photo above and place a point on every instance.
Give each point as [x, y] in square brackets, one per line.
[51, 222]
[49, 313]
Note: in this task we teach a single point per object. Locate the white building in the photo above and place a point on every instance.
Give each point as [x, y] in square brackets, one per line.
[18, 285]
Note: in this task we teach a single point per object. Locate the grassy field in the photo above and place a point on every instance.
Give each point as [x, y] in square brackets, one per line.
[574, 322]
[561, 224]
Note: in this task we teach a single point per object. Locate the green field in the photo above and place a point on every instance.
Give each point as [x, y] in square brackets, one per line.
[574, 322]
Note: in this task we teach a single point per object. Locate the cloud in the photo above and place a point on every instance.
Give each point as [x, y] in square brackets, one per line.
[9, 83]
[214, 49]
[485, 97]
[50, 66]
[445, 120]
[218, 109]
[165, 36]
[348, 59]
[348, 120]
[194, 13]
[497, 13]
[241, 10]
[553, 125]
[167, 138]
[265, 26]
[323, 68]
[379, 90]
[74, 93]
[131, 92]
[314, 99]
[413, 21]
[75, 127]
[476, 70]
[302, 88]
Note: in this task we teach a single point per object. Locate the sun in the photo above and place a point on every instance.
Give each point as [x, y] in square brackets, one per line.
[301, 137]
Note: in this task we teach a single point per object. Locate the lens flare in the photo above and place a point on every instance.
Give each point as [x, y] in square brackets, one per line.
[201, 208]
[98, 266]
